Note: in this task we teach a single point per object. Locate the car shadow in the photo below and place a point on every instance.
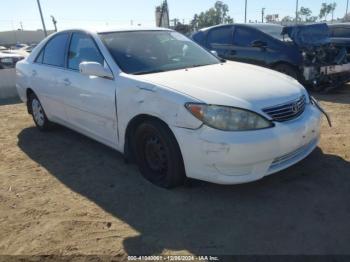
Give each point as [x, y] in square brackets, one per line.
[340, 95]
[303, 210]
[9, 101]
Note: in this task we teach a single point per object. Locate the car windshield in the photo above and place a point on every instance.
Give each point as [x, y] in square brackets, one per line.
[144, 52]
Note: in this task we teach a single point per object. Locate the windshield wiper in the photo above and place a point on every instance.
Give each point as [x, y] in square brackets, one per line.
[199, 65]
[148, 72]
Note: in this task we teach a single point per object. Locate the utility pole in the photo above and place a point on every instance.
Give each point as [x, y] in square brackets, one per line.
[54, 21]
[21, 24]
[262, 14]
[42, 18]
[347, 7]
[297, 12]
[245, 13]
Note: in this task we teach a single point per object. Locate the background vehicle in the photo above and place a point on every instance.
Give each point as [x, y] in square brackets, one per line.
[251, 43]
[9, 60]
[270, 46]
[170, 105]
[341, 30]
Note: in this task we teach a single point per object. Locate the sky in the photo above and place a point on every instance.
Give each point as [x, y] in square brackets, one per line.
[119, 13]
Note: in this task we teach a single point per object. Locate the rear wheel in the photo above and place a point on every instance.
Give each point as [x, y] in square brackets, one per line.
[287, 70]
[158, 155]
[38, 113]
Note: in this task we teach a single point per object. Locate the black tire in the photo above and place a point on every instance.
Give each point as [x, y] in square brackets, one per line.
[37, 111]
[158, 155]
[287, 70]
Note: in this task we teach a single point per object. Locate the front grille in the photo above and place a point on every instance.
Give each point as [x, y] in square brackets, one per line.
[287, 111]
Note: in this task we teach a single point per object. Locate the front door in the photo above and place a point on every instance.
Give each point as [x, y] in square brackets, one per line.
[91, 101]
[243, 50]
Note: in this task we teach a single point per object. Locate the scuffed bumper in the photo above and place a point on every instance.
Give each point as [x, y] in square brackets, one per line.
[240, 157]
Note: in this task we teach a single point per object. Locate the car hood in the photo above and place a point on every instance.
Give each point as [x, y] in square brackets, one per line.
[231, 84]
[306, 36]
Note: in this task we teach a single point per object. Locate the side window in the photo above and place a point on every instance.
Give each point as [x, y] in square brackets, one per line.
[220, 36]
[54, 53]
[83, 49]
[245, 36]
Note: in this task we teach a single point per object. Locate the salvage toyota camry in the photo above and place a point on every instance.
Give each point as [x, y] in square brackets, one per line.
[170, 105]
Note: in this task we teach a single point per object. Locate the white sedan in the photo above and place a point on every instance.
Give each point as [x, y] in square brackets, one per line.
[170, 105]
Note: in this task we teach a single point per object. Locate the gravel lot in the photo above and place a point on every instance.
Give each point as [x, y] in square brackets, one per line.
[62, 193]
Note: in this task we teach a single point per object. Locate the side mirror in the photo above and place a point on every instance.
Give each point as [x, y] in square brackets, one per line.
[259, 44]
[95, 69]
[213, 52]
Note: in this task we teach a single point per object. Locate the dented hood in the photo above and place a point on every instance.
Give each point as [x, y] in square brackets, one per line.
[231, 83]
[308, 36]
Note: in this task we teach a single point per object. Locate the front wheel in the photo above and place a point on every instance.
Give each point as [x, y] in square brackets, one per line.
[158, 155]
[38, 113]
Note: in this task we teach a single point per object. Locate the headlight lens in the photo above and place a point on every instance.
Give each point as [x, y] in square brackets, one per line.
[228, 118]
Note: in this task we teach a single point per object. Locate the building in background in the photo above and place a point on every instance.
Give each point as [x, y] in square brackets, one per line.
[10, 38]
[162, 15]
[274, 18]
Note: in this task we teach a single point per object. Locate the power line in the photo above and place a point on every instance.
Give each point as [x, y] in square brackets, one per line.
[297, 12]
[245, 13]
[262, 14]
[54, 21]
[42, 18]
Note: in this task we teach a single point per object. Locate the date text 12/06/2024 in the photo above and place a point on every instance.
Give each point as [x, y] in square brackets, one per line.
[173, 258]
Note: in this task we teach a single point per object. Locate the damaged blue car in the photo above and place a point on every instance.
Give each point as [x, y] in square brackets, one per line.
[304, 52]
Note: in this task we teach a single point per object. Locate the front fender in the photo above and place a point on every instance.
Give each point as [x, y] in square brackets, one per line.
[134, 98]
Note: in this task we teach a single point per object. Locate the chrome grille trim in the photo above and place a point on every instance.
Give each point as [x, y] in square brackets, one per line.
[287, 111]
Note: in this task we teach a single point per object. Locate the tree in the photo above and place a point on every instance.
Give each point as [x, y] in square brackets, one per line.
[183, 29]
[332, 8]
[346, 18]
[214, 16]
[311, 19]
[304, 13]
[326, 9]
[287, 19]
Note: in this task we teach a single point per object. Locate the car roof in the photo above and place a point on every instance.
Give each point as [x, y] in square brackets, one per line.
[254, 25]
[339, 24]
[120, 29]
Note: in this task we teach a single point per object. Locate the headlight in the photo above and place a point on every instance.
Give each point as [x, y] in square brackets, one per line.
[228, 118]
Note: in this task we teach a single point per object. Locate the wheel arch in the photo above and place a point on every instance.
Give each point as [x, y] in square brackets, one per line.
[131, 128]
[286, 63]
[29, 91]
[276, 64]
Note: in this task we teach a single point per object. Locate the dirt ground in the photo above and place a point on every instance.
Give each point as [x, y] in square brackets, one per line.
[64, 194]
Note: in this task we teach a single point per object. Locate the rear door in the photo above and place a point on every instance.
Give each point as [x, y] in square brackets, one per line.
[46, 70]
[90, 101]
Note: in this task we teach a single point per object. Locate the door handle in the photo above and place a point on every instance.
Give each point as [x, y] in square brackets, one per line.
[233, 52]
[67, 82]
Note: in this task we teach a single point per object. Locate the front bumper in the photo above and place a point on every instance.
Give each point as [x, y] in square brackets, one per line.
[326, 74]
[239, 157]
